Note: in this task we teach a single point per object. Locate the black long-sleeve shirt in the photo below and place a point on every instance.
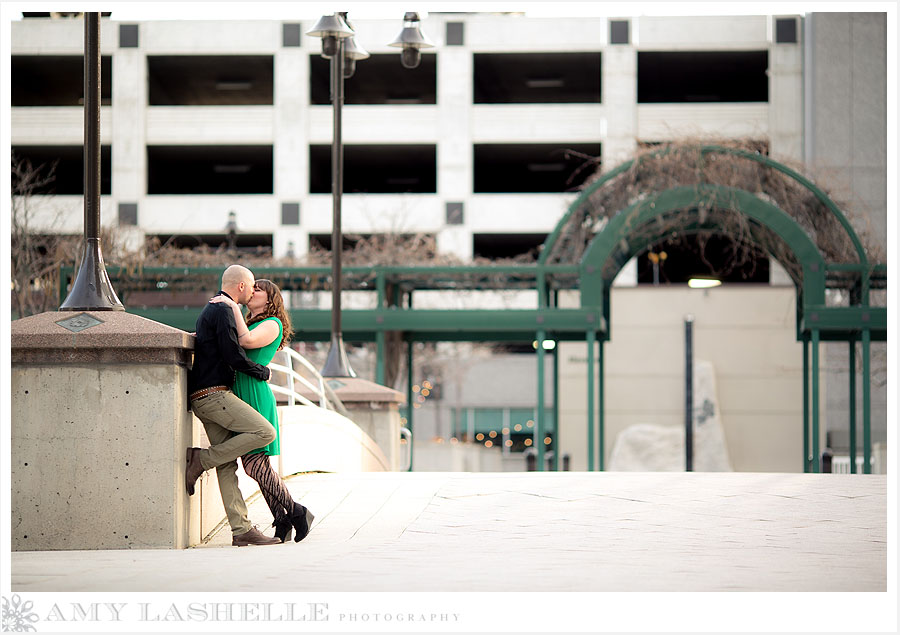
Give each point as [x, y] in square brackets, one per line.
[217, 354]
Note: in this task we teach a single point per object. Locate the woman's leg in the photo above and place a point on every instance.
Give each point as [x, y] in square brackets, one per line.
[273, 489]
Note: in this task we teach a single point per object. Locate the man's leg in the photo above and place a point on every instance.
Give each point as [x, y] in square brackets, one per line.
[251, 430]
[232, 498]
[231, 425]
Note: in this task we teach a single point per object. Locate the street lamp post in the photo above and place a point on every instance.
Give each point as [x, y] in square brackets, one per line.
[92, 289]
[334, 31]
[341, 49]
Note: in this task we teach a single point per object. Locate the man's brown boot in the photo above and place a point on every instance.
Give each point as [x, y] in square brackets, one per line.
[253, 537]
[193, 470]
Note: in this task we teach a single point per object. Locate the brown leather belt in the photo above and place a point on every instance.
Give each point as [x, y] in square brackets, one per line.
[200, 394]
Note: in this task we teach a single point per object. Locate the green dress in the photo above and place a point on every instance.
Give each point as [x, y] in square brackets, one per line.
[257, 392]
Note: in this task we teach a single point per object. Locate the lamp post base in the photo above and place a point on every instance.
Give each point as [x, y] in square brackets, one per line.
[92, 290]
[337, 364]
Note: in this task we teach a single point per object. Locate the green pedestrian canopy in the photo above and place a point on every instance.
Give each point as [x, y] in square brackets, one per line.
[715, 189]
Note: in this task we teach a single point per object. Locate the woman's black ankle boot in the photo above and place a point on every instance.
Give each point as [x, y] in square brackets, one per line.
[302, 520]
[283, 528]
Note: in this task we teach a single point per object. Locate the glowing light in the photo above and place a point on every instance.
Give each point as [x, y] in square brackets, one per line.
[416, 388]
[488, 444]
[527, 441]
[703, 283]
[548, 441]
[417, 405]
[518, 427]
[509, 443]
[529, 423]
[427, 384]
[425, 392]
[492, 434]
[505, 431]
[453, 440]
[479, 437]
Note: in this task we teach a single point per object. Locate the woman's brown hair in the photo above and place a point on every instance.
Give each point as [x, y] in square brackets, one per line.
[274, 308]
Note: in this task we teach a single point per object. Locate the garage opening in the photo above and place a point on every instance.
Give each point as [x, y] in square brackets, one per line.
[702, 76]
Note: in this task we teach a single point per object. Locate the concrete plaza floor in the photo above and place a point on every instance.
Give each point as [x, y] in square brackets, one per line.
[568, 531]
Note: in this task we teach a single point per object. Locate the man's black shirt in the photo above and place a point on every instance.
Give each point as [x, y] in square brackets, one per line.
[217, 354]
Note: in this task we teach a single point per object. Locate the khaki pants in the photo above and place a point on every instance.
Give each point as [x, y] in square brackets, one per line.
[234, 428]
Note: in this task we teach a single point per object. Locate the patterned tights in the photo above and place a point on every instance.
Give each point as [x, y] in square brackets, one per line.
[278, 498]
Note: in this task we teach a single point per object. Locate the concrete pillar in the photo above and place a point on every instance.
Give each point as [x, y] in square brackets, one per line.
[128, 138]
[375, 410]
[786, 101]
[454, 151]
[619, 95]
[100, 423]
[291, 145]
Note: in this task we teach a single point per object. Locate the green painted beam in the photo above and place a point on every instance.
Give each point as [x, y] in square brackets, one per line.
[845, 318]
[434, 321]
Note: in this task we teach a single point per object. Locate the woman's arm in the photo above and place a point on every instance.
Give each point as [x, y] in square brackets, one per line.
[262, 335]
[242, 330]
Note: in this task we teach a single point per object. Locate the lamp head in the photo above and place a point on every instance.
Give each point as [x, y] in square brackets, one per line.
[330, 28]
[411, 40]
[331, 25]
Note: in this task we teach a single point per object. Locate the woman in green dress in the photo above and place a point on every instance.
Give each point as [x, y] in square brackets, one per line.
[266, 329]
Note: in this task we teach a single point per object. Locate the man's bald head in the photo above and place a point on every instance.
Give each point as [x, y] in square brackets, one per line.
[237, 281]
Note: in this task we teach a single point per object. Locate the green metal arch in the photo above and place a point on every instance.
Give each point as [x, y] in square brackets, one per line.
[608, 243]
[809, 185]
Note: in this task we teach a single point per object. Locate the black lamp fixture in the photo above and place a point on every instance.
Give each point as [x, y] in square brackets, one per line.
[411, 40]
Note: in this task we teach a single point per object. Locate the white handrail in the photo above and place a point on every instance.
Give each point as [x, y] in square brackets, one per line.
[321, 391]
[406, 433]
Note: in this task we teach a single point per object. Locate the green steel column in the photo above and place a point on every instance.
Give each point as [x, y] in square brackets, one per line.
[816, 468]
[539, 428]
[380, 288]
[601, 421]
[866, 385]
[379, 336]
[852, 369]
[807, 461]
[379, 357]
[556, 446]
[542, 288]
[409, 397]
[591, 339]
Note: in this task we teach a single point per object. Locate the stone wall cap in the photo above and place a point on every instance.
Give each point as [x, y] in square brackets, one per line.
[94, 329]
[356, 389]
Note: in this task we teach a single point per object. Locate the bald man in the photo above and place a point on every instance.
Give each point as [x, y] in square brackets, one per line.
[233, 426]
